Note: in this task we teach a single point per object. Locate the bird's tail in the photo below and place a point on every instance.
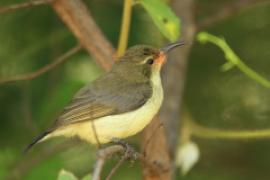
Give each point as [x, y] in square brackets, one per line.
[36, 140]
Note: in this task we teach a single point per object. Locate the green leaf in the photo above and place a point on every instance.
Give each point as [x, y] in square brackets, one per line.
[227, 66]
[87, 177]
[164, 18]
[65, 175]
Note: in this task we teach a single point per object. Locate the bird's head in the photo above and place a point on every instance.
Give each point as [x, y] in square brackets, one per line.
[142, 61]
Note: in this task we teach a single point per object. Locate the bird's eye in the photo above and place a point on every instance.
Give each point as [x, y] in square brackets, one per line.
[150, 61]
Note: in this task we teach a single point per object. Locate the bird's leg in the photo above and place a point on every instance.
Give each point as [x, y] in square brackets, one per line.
[95, 134]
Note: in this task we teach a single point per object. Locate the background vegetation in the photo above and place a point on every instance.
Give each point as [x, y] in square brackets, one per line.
[34, 37]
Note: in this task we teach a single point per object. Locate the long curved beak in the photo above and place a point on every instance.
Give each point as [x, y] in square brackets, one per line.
[171, 46]
[163, 52]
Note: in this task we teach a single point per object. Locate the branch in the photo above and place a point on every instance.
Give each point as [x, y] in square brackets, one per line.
[160, 151]
[228, 11]
[45, 69]
[123, 40]
[155, 149]
[77, 17]
[113, 170]
[103, 154]
[14, 7]
[191, 128]
[212, 133]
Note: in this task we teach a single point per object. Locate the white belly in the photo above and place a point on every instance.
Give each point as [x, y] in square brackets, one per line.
[119, 126]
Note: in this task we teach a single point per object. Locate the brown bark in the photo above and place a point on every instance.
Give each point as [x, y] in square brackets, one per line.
[157, 163]
[77, 17]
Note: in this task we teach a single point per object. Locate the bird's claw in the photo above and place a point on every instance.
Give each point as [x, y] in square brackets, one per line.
[129, 150]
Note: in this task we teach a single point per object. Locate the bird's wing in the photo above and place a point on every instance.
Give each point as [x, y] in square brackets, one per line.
[95, 101]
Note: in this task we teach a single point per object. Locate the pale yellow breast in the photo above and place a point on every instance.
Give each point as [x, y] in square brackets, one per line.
[119, 126]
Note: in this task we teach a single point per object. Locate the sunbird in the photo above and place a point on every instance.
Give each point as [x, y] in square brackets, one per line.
[118, 104]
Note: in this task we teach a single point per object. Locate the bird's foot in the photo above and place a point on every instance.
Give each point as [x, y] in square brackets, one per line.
[129, 150]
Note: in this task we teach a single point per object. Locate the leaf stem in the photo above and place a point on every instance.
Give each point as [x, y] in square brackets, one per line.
[123, 39]
[200, 131]
[232, 58]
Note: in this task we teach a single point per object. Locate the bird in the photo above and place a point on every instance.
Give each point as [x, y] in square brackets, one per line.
[118, 104]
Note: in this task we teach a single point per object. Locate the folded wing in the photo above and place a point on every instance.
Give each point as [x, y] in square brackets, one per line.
[93, 101]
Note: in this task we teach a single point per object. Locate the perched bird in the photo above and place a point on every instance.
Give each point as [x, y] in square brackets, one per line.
[118, 104]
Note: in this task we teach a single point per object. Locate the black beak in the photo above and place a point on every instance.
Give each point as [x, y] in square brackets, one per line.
[171, 46]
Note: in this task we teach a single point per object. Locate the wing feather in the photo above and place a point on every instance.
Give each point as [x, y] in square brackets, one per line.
[93, 101]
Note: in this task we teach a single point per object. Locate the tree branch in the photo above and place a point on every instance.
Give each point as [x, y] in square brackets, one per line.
[78, 18]
[44, 69]
[14, 7]
[155, 149]
[228, 11]
[160, 152]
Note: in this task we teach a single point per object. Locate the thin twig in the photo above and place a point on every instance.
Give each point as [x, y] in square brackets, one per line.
[78, 18]
[228, 11]
[98, 169]
[126, 18]
[44, 69]
[120, 162]
[14, 7]
[103, 154]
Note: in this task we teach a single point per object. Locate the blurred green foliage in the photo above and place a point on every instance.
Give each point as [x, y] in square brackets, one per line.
[65, 175]
[31, 38]
[232, 58]
[231, 100]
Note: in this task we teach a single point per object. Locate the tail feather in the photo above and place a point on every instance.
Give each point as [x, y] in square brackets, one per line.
[35, 141]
